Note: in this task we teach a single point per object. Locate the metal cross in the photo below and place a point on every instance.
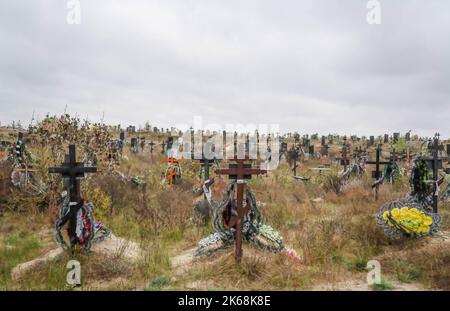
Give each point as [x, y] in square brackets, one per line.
[240, 170]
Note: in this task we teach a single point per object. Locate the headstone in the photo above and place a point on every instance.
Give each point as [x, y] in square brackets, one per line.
[371, 140]
[386, 138]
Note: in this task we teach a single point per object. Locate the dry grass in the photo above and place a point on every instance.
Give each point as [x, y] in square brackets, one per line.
[335, 236]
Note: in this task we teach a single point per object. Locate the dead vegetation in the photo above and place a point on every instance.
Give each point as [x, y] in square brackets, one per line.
[332, 229]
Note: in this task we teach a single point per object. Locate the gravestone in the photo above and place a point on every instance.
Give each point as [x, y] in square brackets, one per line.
[323, 142]
[371, 140]
[386, 138]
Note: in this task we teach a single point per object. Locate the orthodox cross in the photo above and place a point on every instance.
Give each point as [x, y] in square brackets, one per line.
[435, 163]
[377, 173]
[240, 170]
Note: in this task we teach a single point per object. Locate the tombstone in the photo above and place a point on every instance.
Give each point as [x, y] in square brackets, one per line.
[396, 137]
[323, 142]
[448, 150]
[311, 150]
[240, 170]
[72, 171]
[371, 140]
[386, 138]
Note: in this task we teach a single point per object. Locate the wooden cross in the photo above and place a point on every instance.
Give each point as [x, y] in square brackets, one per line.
[377, 173]
[435, 163]
[240, 170]
[73, 170]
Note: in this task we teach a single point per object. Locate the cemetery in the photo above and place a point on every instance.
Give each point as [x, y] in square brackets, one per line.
[139, 216]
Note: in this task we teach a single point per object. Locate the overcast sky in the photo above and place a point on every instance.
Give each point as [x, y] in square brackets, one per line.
[311, 66]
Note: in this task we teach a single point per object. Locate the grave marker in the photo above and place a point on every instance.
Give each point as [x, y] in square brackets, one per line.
[73, 171]
[377, 173]
[240, 170]
[435, 164]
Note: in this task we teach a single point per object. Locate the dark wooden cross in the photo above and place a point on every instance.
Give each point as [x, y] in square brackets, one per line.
[435, 164]
[72, 170]
[377, 173]
[240, 170]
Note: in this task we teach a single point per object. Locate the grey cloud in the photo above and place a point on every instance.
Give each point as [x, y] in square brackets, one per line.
[312, 66]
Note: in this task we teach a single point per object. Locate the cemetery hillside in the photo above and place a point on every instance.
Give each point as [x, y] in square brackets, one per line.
[155, 209]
